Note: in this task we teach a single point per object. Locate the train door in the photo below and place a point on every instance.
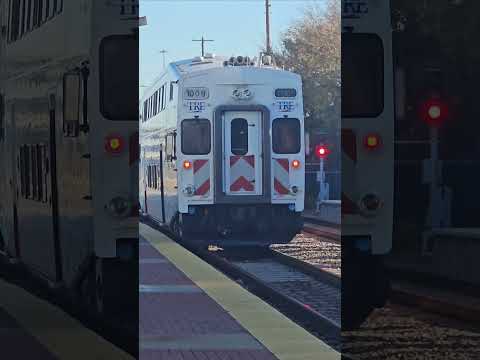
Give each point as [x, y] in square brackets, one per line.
[242, 153]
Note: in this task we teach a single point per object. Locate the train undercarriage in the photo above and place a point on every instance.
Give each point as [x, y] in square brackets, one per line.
[236, 224]
[365, 284]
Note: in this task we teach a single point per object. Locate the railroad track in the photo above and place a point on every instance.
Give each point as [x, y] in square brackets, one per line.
[321, 228]
[436, 295]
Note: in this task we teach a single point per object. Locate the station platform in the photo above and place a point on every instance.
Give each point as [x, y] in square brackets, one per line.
[189, 310]
[31, 328]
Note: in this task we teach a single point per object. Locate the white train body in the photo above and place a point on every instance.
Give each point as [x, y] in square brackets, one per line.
[68, 204]
[228, 144]
[367, 115]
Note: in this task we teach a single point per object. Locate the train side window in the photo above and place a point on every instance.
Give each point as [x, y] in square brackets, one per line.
[33, 171]
[196, 136]
[29, 15]
[239, 136]
[2, 118]
[24, 12]
[14, 20]
[71, 104]
[26, 169]
[21, 170]
[286, 136]
[171, 92]
[162, 97]
[39, 170]
[155, 177]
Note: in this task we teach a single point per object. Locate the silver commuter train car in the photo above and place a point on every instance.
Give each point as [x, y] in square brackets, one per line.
[69, 146]
[222, 150]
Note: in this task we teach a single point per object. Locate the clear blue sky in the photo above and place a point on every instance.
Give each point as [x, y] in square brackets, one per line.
[237, 26]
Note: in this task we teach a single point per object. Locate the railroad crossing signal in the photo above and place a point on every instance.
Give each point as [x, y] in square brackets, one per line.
[322, 151]
[434, 112]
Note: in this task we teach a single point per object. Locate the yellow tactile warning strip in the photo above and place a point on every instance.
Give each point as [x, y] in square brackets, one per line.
[285, 339]
[59, 333]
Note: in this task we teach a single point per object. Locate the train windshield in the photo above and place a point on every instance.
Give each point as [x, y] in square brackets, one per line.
[119, 77]
[362, 75]
[286, 136]
[196, 134]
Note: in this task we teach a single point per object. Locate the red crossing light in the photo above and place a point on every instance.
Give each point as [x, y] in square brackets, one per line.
[321, 151]
[434, 112]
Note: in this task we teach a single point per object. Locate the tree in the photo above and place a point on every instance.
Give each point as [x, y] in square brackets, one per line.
[311, 48]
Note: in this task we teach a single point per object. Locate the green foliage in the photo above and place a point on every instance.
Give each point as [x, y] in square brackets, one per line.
[311, 48]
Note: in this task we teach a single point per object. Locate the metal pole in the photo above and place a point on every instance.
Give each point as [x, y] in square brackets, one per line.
[267, 25]
[203, 40]
[163, 52]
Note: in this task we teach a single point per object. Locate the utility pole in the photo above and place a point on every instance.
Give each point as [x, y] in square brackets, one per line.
[163, 52]
[267, 25]
[203, 40]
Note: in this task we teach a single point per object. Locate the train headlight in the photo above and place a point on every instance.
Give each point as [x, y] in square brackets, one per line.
[119, 207]
[189, 190]
[296, 164]
[294, 189]
[370, 204]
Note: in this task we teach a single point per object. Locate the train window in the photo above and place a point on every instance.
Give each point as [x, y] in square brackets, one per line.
[155, 102]
[155, 177]
[29, 15]
[71, 104]
[39, 172]
[286, 136]
[34, 172]
[119, 77]
[24, 13]
[362, 75]
[2, 118]
[40, 12]
[196, 136]
[162, 96]
[26, 170]
[14, 20]
[171, 92]
[239, 136]
[21, 169]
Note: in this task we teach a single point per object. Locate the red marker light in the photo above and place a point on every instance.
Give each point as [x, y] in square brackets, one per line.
[321, 151]
[114, 144]
[373, 141]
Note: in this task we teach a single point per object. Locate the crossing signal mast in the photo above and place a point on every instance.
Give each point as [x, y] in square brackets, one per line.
[322, 151]
[434, 111]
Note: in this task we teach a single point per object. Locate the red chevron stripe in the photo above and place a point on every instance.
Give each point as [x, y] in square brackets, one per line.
[284, 163]
[242, 183]
[198, 164]
[234, 159]
[250, 160]
[279, 188]
[204, 188]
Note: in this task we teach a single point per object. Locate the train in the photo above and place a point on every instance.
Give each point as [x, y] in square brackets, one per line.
[368, 126]
[222, 151]
[69, 147]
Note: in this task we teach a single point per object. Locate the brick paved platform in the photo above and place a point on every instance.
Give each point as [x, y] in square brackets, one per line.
[189, 310]
[31, 328]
